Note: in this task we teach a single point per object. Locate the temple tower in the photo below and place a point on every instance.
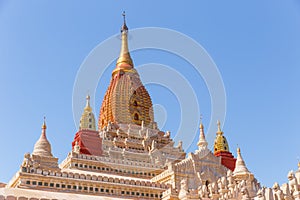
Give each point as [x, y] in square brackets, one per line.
[126, 100]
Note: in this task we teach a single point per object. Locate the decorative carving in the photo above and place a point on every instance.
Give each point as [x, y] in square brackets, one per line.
[179, 146]
[222, 183]
[109, 126]
[153, 145]
[260, 195]
[35, 165]
[183, 188]
[184, 185]
[213, 188]
[27, 162]
[203, 191]
[168, 134]
[293, 183]
[277, 192]
[245, 194]
[76, 148]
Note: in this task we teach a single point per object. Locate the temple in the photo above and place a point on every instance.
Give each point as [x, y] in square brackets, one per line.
[129, 157]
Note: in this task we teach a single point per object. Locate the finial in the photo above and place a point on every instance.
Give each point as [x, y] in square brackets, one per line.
[124, 16]
[238, 150]
[44, 123]
[219, 126]
[201, 125]
[87, 106]
[124, 27]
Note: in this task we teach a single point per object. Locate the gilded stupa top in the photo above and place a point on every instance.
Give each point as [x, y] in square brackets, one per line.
[221, 144]
[124, 61]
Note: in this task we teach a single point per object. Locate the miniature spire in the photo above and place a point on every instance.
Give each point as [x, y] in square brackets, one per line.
[240, 166]
[44, 127]
[87, 120]
[87, 106]
[202, 143]
[201, 125]
[219, 127]
[124, 60]
[42, 147]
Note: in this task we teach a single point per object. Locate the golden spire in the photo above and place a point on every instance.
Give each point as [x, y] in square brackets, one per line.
[126, 100]
[124, 60]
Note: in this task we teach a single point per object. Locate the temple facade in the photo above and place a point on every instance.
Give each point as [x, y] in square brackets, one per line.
[129, 157]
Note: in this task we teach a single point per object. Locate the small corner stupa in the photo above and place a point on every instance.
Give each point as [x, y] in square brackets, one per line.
[41, 156]
[87, 139]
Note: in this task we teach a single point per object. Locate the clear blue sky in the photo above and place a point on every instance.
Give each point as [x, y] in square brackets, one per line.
[255, 45]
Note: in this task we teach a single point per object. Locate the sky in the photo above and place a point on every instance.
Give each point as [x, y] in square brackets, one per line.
[254, 44]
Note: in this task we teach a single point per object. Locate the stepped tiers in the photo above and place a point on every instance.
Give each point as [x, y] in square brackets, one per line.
[137, 142]
[128, 157]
